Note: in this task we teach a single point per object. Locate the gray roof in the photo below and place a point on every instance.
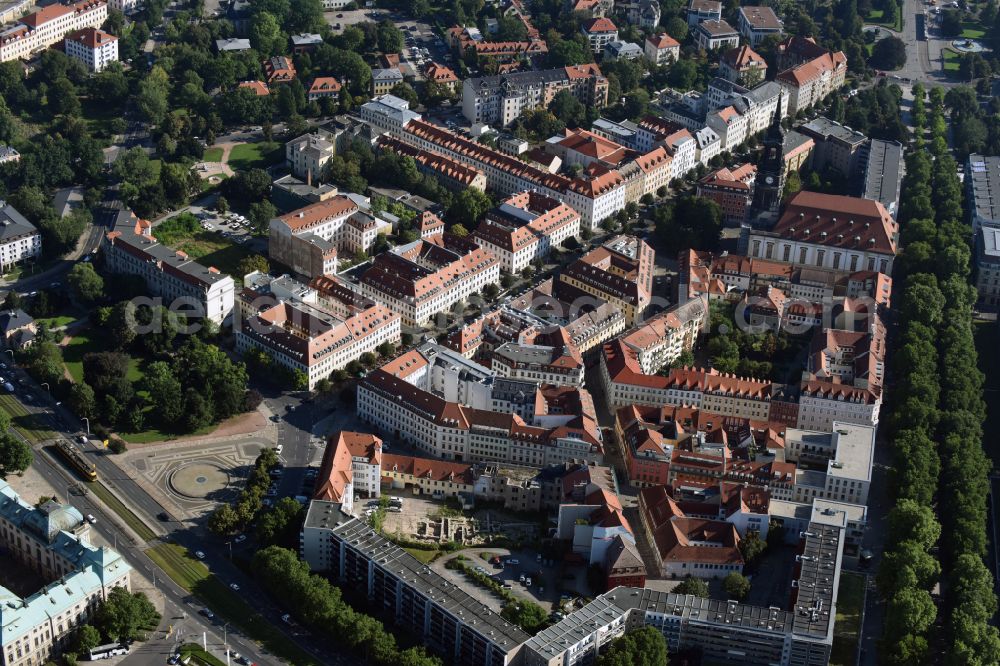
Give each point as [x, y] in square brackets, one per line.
[989, 244]
[883, 172]
[67, 200]
[232, 44]
[983, 177]
[13, 224]
[390, 74]
[391, 558]
[520, 79]
[11, 320]
[830, 130]
[306, 39]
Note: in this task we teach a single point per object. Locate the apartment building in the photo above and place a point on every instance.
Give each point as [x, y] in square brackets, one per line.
[52, 541]
[388, 114]
[732, 189]
[200, 291]
[442, 75]
[847, 453]
[384, 80]
[660, 340]
[988, 267]
[742, 65]
[94, 48]
[821, 403]
[837, 147]
[307, 156]
[715, 34]
[661, 49]
[758, 22]
[982, 186]
[830, 231]
[352, 462]
[703, 10]
[48, 26]
[449, 172]
[500, 100]
[560, 365]
[811, 80]
[722, 632]
[599, 33]
[418, 601]
[618, 272]
[526, 227]
[463, 40]
[308, 239]
[852, 357]
[279, 69]
[310, 328]
[19, 238]
[428, 276]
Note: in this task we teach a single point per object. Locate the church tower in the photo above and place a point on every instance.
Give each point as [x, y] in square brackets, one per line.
[770, 180]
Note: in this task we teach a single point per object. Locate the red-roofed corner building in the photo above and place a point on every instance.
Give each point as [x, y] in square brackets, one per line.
[830, 231]
[351, 464]
[732, 189]
[599, 33]
[94, 48]
[742, 65]
[442, 76]
[526, 227]
[48, 26]
[591, 525]
[619, 272]
[324, 86]
[662, 49]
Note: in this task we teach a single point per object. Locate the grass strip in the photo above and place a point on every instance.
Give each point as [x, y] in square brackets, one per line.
[31, 426]
[126, 514]
[199, 656]
[847, 630]
[195, 577]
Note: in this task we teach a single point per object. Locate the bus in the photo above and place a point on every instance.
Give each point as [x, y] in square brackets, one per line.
[74, 457]
[108, 651]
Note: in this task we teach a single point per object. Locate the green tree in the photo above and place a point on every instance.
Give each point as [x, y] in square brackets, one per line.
[224, 520]
[160, 383]
[752, 547]
[82, 400]
[87, 286]
[123, 614]
[736, 585]
[389, 37]
[526, 614]
[644, 646]
[469, 207]
[261, 214]
[695, 586]
[254, 262]
[87, 638]
[15, 455]
[266, 36]
[889, 53]
[568, 109]
[153, 93]
[281, 525]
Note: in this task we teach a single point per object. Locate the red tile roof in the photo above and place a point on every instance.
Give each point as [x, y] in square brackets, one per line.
[599, 25]
[838, 221]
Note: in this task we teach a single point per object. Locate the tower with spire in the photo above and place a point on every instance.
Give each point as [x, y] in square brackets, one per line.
[770, 180]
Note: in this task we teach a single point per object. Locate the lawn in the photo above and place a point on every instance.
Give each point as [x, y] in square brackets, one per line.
[126, 514]
[31, 426]
[56, 322]
[213, 154]
[194, 577]
[82, 344]
[425, 556]
[249, 155]
[950, 58]
[199, 656]
[877, 17]
[847, 630]
[972, 30]
[208, 248]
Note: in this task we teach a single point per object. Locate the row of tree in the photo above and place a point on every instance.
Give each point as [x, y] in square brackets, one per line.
[937, 422]
[229, 519]
[319, 606]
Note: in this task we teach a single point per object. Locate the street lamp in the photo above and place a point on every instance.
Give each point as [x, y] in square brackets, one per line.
[11, 352]
[46, 385]
[87, 421]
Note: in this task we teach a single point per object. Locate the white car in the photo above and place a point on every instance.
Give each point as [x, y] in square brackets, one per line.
[91, 519]
[279, 448]
[234, 587]
[200, 555]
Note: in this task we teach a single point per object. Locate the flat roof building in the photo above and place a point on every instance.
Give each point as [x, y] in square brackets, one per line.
[982, 182]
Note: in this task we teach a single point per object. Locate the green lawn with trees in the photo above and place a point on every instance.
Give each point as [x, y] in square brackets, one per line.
[245, 156]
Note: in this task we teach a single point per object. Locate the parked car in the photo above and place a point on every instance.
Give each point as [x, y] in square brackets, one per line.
[91, 519]
[200, 555]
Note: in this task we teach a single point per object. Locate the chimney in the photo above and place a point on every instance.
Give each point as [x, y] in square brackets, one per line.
[309, 177]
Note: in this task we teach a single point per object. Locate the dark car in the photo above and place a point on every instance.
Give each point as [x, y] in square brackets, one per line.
[162, 516]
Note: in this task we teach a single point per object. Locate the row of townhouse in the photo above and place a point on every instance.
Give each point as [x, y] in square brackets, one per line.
[447, 406]
[619, 272]
[808, 72]
[813, 404]
[660, 340]
[301, 329]
[596, 197]
[526, 227]
[184, 285]
[426, 277]
[452, 174]
[49, 26]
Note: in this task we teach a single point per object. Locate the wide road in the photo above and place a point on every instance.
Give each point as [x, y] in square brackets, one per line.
[923, 47]
[182, 606]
